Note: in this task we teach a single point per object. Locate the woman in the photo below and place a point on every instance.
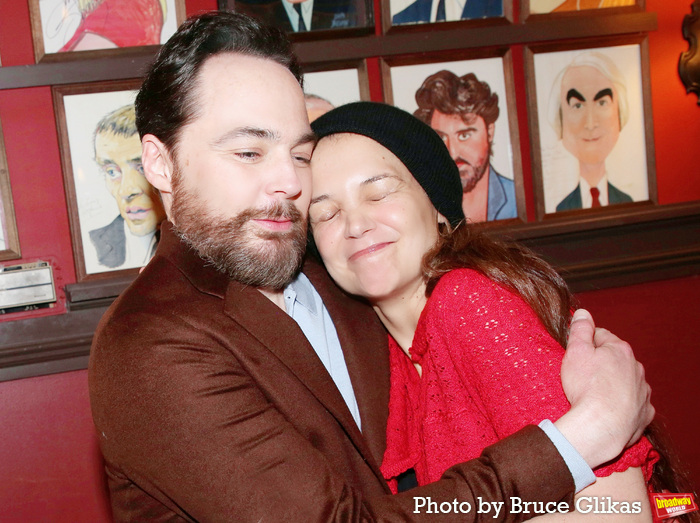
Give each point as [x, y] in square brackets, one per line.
[476, 327]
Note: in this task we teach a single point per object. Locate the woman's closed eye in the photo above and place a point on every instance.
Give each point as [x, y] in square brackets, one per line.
[319, 213]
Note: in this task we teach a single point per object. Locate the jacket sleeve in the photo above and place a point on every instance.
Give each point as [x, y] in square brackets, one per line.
[182, 420]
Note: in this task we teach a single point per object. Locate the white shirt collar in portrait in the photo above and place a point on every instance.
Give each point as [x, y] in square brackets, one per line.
[307, 9]
[587, 199]
[138, 248]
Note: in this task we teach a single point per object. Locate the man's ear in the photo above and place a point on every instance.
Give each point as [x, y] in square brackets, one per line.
[157, 164]
[491, 129]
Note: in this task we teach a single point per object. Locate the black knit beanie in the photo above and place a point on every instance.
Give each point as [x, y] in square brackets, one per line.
[416, 144]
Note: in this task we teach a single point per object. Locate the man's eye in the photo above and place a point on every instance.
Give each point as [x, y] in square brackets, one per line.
[111, 172]
[464, 136]
[247, 155]
[302, 159]
[577, 105]
[139, 167]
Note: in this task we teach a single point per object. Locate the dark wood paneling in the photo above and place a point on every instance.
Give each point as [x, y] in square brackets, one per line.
[638, 245]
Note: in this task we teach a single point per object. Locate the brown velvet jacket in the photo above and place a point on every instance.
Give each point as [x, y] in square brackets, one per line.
[210, 405]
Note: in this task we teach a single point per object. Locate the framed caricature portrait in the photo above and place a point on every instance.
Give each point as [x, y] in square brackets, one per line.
[415, 12]
[535, 7]
[301, 18]
[65, 29]
[591, 128]
[470, 103]
[9, 240]
[114, 212]
[326, 89]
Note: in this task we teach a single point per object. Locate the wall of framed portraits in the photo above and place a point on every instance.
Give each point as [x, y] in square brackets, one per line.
[627, 258]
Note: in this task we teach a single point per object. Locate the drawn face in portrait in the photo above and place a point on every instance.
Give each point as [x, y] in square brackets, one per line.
[470, 114]
[590, 117]
[469, 142]
[595, 156]
[119, 158]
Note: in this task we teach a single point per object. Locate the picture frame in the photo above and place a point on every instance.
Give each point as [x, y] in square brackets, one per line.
[558, 8]
[114, 213]
[490, 164]
[65, 30]
[575, 142]
[329, 86]
[409, 15]
[323, 20]
[9, 239]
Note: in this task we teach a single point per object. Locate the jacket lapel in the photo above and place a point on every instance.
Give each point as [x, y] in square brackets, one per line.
[280, 334]
[366, 356]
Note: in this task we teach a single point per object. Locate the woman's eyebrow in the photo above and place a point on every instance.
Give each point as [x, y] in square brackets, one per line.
[377, 178]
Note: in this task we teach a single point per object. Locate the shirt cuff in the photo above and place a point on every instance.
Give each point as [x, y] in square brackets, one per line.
[580, 471]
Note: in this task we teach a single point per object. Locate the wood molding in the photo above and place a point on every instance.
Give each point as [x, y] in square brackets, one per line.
[638, 245]
[399, 41]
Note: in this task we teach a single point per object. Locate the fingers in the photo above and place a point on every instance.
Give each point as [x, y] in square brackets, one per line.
[582, 330]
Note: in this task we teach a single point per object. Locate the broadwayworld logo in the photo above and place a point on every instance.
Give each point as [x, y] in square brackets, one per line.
[669, 505]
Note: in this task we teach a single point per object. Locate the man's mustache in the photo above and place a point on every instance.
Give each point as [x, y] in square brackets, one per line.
[285, 211]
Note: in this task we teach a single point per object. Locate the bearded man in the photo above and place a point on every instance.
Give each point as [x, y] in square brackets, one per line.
[463, 111]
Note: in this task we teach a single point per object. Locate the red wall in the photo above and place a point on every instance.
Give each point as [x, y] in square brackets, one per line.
[661, 321]
[51, 468]
[49, 463]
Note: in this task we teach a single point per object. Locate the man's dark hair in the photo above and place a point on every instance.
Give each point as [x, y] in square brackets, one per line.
[167, 99]
[448, 93]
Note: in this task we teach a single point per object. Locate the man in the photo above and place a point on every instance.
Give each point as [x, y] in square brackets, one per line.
[130, 239]
[299, 16]
[422, 11]
[463, 111]
[226, 386]
[588, 109]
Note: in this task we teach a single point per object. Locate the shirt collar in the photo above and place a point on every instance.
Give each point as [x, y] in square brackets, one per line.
[301, 291]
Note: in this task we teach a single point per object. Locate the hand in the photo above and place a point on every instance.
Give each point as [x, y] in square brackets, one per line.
[609, 396]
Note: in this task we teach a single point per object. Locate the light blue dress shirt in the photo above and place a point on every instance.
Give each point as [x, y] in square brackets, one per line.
[305, 306]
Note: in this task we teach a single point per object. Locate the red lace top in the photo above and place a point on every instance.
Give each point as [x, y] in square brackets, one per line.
[489, 368]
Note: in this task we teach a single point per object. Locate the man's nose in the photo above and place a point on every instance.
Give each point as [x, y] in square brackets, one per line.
[131, 183]
[286, 179]
[591, 119]
[452, 147]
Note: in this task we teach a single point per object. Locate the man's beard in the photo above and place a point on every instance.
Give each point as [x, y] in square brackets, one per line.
[477, 172]
[229, 244]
